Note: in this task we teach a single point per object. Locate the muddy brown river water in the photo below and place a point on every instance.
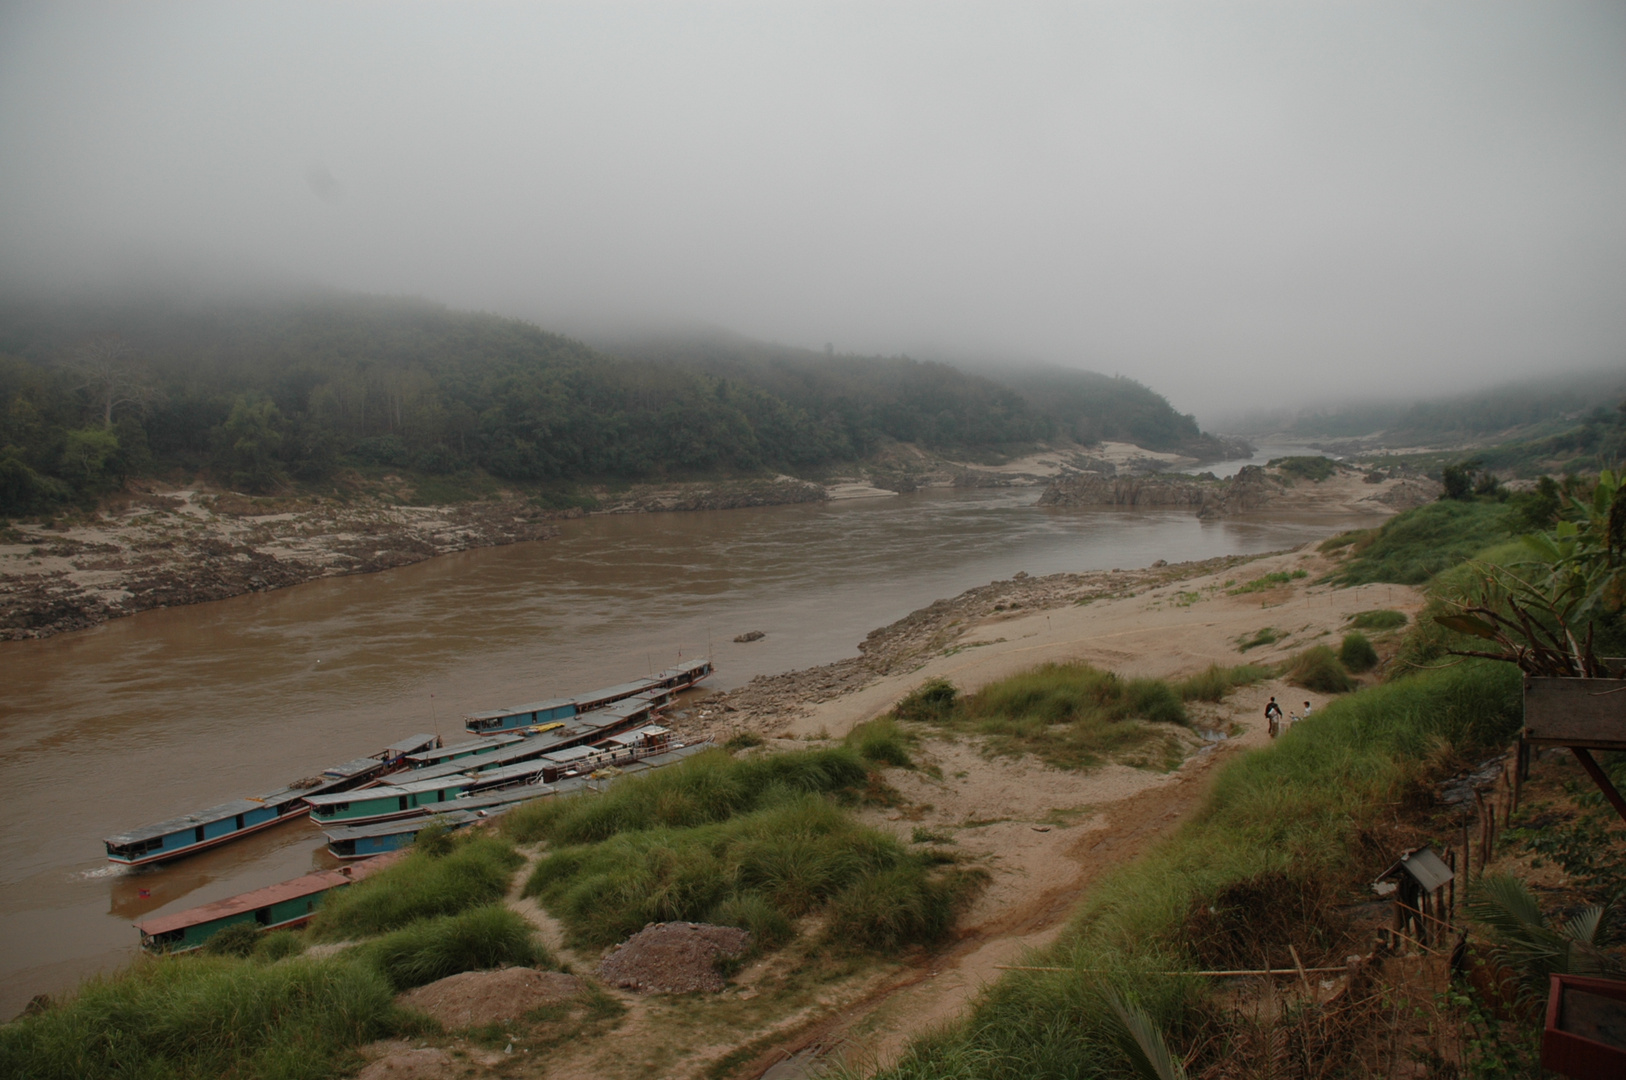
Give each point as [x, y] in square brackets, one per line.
[170, 711]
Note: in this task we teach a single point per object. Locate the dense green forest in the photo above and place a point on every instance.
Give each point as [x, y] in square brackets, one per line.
[1051, 402]
[263, 396]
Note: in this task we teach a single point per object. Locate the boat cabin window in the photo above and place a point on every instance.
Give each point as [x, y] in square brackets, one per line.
[140, 847]
[263, 916]
[197, 835]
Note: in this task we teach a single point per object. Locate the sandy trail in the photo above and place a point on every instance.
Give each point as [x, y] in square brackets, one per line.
[1050, 834]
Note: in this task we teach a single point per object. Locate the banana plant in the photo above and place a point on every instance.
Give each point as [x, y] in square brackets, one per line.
[1541, 612]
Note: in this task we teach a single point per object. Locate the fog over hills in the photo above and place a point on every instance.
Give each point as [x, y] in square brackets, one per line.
[1243, 207]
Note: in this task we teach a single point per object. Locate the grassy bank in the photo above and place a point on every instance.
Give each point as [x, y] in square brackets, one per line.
[1291, 814]
[1413, 547]
[250, 1006]
[424, 885]
[1073, 715]
[205, 1017]
[758, 842]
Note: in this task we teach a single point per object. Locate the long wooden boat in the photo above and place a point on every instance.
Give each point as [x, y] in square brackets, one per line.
[230, 821]
[289, 903]
[365, 841]
[538, 713]
[527, 744]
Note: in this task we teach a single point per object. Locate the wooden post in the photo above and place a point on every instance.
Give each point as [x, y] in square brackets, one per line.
[1451, 900]
[1600, 778]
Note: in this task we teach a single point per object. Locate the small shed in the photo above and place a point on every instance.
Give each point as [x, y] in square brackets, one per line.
[1422, 901]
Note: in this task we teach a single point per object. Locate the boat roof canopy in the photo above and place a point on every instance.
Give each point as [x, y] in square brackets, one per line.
[411, 744]
[321, 881]
[190, 821]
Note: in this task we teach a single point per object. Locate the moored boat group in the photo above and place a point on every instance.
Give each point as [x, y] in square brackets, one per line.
[375, 805]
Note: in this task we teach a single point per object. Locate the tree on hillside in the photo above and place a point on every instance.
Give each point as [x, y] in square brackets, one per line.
[105, 369]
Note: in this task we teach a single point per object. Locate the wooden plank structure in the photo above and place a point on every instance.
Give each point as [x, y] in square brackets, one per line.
[1422, 911]
[1581, 714]
[1585, 1033]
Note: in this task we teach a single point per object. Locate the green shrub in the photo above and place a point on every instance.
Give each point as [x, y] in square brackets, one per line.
[430, 949]
[892, 907]
[882, 741]
[420, 886]
[433, 840]
[708, 787]
[238, 939]
[1268, 581]
[1412, 547]
[1315, 469]
[791, 858]
[1354, 538]
[204, 1016]
[743, 740]
[1268, 635]
[1070, 715]
[1316, 668]
[1356, 653]
[933, 701]
[1379, 619]
[1154, 700]
[279, 945]
[1215, 681]
[769, 926]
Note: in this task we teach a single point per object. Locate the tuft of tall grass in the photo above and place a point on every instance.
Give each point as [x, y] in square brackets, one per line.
[1069, 715]
[420, 886]
[932, 701]
[1267, 635]
[882, 741]
[1215, 681]
[761, 869]
[706, 788]
[1378, 619]
[1268, 581]
[1298, 806]
[1317, 668]
[204, 1016]
[430, 949]
[1356, 653]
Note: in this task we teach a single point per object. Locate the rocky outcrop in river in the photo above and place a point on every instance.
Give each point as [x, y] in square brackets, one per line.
[189, 547]
[1097, 489]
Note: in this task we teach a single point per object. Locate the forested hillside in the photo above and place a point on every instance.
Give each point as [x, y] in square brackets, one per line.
[1051, 402]
[266, 395]
[1525, 410]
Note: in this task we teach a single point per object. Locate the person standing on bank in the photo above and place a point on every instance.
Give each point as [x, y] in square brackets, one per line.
[1273, 717]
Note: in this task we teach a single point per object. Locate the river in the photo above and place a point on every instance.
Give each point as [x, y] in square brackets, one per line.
[170, 711]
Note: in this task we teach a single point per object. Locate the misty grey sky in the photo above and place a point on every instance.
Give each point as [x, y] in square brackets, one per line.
[1239, 204]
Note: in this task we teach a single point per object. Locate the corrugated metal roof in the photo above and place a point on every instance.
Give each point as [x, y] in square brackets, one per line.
[189, 821]
[1424, 867]
[321, 881]
[410, 744]
[352, 768]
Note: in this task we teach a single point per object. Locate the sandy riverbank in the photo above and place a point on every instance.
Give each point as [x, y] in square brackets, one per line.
[1044, 834]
